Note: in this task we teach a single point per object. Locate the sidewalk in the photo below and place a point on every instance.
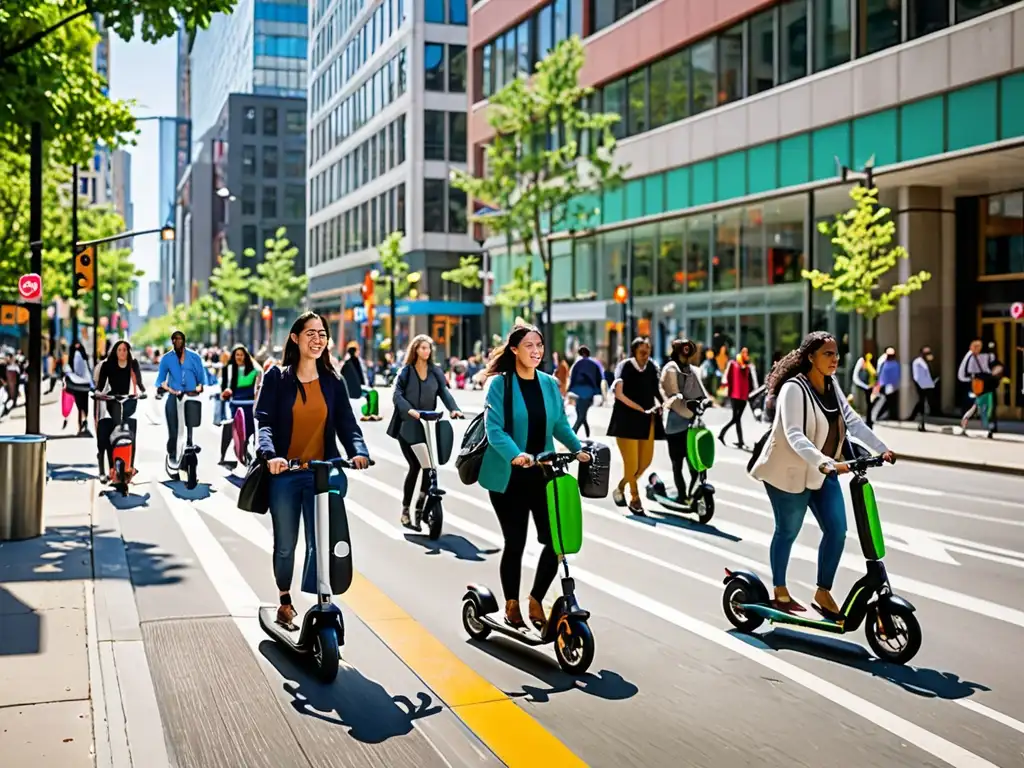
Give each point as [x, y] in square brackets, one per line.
[75, 687]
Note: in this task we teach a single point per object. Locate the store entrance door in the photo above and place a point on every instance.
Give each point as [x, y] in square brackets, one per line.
[1008, 336]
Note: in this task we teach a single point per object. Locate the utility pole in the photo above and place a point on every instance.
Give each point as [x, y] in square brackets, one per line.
[35, 311]
[394, 320]
[74, 251]
[96, 309]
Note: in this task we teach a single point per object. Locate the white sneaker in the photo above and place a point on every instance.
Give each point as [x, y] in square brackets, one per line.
[619, 497]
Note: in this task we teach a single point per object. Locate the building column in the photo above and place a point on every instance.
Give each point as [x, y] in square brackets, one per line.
[925, 226]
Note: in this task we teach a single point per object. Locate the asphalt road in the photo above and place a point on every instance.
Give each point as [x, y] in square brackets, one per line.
[670, 685]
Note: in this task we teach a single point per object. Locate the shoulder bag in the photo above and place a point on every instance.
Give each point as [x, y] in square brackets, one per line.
[474, 442]
[758, 448]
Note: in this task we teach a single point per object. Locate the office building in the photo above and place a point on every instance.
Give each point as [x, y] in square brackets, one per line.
[387, 124]
[121, 175]
[732, 125]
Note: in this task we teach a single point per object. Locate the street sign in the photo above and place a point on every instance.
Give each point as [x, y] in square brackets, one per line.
[1017, 310]
[11, 314]
[30, 288]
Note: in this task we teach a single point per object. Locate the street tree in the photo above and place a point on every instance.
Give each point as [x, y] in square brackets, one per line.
[394, 269]
[276, 280]
[863, 255]
[118, 275]
[467, 274]
[231, 283]
[549, 151]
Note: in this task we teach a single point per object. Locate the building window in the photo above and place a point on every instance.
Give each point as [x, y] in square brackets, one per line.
[878, 25]
[730, 65]
[457, 13]
[270, 162]
[382, 152]
[636, 89]
[704, 81]
[391, 144]
[433, 135]
[510, 56]
[248, 200]
[399, 223]
[524, 38]
[248, 238]
[545, 31]
[793, 41]
[433, 205]
[433, 62]
[457, 137]
[1003, 228]
[433, 11]
[249, 121]
[457, 222]
[761, 52]
[925, 17]
[248, 160]
[401, 139]
[268, 207]
[969, 9]
[615, 102]
[457, 68]
[831, 33]
[270, 121]
[486, 82]
[294, 163]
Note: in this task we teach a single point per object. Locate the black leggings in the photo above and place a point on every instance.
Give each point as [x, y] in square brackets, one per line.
[738, 407]
[513, 509]
[414, 473]
[677, 453]
[582, 407]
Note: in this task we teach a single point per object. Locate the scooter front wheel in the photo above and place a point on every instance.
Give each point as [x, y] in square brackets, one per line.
[325, 654]
[172, 473]
[435, 521]
[574, 646]
[736, 594]
[191, 478]
[907, 642]
[475, 628]
[120, 477]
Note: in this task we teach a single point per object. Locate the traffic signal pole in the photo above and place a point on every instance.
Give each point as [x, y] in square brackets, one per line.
[35, 311]
[74, 251]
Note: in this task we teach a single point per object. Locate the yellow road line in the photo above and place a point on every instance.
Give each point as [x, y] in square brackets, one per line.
[502, 725]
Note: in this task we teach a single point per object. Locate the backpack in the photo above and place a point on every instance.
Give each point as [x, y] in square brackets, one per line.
[758, 448]
[474, 441]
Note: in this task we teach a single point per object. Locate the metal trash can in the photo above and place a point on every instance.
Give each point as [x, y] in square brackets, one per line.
[22, 483]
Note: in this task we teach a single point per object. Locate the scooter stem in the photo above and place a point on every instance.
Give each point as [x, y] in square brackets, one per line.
[322, 516]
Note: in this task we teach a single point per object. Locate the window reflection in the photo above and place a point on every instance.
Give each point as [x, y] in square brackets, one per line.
[615, 102]
[730, 65]
[1003, 227]
[925, 17]
[784, 242]
[724, 261]
[831, 33]
[793, 40]
[698, 253]
[671, 275]
[613, 256]
[703, 63]
[878, 22]
[637, 110]
[753, 259]
[644, 240]
[761, 57]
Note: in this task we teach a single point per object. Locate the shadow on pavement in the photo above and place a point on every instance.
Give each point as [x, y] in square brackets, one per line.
[73, 473]
[460, 546]
[200, 492]
[920, 681]
[131, 501]
[605, 684]
[666, 518]
[353, 701]
[22, 634]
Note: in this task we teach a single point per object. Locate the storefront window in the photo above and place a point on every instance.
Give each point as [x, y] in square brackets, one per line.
[784, 241]
[644, 242]
[561, 270]
[785, 334]
[752, 336]
[831, 33]
[761, 52]
[793, 40]
[704, 81]
[670, 257]
[613, 256]
[878, 23]
[723, 339]
[698, 253]
[1003, 217]
[730, 65]
[925, 17]
[753, 258]
[725, 260]
[586, 258]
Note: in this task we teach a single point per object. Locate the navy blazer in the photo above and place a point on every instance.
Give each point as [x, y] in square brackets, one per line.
[274, 416]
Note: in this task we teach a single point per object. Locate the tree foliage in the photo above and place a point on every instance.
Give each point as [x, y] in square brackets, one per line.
[548, 152]
[275, 279]
[393, 267]
[230, 283]
[863, 255]
[467, 274]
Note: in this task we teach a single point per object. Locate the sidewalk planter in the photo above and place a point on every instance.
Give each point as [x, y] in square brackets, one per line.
[22, 484]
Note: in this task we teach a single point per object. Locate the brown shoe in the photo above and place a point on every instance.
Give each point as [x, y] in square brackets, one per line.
[537, 616]
[285, 615]
[513, 616]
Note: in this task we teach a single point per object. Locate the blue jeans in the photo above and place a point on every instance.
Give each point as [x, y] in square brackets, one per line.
[292, 497]
[829, 510]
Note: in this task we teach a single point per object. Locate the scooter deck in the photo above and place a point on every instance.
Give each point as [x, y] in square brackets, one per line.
[268, 620]
[782, 617]
[528, 635]
[673, 505]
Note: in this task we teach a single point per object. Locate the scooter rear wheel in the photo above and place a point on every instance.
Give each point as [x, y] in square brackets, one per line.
[736, 593]
[325, 654]
[435, 520]
[574, 646]
[896, 650]
[703, 506]
[475, 628]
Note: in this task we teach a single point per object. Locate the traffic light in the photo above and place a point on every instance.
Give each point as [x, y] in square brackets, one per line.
[11, 314]
[85, 269]
[621, 294]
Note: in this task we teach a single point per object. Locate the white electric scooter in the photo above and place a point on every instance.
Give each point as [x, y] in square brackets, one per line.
[431, 440]
[190, 416]
[323, 628]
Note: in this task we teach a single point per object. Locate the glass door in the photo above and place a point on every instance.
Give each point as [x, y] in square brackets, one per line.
[1008, 337]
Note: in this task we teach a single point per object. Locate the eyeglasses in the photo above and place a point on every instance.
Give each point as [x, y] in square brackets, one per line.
[316, 334]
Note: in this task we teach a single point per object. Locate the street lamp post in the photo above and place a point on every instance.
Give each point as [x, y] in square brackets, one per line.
[621, 297]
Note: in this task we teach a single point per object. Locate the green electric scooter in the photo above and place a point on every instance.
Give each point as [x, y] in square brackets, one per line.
[700, 455]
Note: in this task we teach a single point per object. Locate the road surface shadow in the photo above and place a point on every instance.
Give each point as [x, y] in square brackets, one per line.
[70, 473]
[605, 684]
[371, 714]
[677, 521]
[460, 546]
[920, 681]
[200, 492]
[122, 503]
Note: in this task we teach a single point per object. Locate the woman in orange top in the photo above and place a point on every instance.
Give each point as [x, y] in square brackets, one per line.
[302, 412]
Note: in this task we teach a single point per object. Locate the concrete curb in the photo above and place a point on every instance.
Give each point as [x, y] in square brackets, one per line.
[127, 728]
[996, 469]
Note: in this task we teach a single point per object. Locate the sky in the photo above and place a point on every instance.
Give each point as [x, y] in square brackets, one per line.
[147, 74]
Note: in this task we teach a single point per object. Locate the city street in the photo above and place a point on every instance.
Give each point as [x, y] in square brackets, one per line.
[671, 684]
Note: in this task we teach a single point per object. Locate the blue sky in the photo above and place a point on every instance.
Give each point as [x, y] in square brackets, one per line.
[147, 74]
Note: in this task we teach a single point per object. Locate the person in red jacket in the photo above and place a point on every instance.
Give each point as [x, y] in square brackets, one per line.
[740, 380]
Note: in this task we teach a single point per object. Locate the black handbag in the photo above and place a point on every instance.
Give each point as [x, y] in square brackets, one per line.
[474, 441]
[254, 495]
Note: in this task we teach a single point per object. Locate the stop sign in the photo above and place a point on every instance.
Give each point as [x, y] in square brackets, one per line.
[1017, 310]
[30, 287]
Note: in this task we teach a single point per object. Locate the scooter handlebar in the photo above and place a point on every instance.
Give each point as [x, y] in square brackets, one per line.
[865, 463]
[338, 463]
[118, 398]
[554, 457]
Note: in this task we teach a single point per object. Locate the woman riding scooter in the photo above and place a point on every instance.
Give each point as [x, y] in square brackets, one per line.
[119, 374]
[681, 383]
[240, 380]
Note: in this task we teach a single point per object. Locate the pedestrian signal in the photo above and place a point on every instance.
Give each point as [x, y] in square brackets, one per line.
[85, 269]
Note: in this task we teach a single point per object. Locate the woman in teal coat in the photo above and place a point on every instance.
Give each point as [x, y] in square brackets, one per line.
[517, 484]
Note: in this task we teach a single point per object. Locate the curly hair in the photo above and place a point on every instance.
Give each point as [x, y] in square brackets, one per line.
[797, 361]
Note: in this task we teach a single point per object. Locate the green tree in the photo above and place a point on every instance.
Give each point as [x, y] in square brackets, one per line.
[394, 268]
[118, 277]
[467, 274]
[231, 283]
[47, 74]
[863, 255]
[535, 181]
[276, 280]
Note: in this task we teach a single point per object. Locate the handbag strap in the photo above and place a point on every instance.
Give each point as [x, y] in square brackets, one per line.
[508, 402]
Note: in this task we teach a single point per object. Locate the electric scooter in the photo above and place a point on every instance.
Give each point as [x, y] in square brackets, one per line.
[892, 629]
[190, 416]
[371, 408]
[700, 455]
[122, 439]
[323, 628]
[567, 626]
[431, 440]
[242, 442]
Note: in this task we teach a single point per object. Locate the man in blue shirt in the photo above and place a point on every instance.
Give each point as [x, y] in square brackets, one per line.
[180, 371]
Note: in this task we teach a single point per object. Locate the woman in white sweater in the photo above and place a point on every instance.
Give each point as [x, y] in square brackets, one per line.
[800, 462]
